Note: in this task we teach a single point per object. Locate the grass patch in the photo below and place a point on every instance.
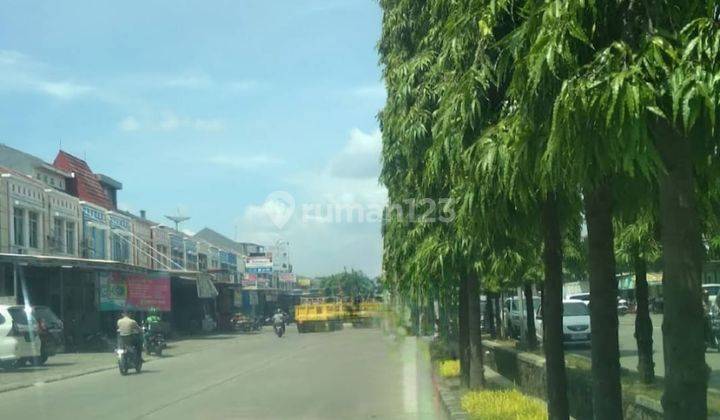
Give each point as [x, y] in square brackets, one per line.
[449, 368]
[502, 405]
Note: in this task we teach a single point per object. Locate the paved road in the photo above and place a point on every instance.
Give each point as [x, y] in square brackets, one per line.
[350, 374]
[628, 349]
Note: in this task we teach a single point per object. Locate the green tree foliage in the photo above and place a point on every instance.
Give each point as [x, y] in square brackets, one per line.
[348, 284]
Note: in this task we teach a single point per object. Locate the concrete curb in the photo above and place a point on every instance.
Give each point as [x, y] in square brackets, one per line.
[449, 401]
[69, 375]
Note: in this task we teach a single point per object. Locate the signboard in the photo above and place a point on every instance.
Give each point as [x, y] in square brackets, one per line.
[259, 265]
[93, 214]
[136, 292]
[117, 222]
[287, 277]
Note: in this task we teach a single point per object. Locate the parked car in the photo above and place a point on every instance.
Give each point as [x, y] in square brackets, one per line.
[713, 289]
[622, 304]
[51, 333]
[576, 322]
[514, 314]
[19, 336]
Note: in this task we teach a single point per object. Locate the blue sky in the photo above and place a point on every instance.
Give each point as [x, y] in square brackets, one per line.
[208, 107]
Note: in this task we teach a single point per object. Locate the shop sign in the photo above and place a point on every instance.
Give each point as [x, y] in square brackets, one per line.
[93, 214]
[136, 292]
[119, 222]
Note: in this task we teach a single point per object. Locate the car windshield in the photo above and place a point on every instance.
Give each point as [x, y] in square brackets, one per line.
[575, 309]
[712, 290]
[19, 315]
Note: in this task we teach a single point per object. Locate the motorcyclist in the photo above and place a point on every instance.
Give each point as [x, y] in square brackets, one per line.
[279, 319]
[152, 323]
[129, 333]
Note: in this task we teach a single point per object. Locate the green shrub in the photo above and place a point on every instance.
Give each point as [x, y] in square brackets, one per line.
[502, 405]
[449, 368]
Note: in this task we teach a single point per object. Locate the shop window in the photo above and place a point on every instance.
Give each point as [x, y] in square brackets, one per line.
[70, 237]
[19, 226]
[33, 226]
[57, 236]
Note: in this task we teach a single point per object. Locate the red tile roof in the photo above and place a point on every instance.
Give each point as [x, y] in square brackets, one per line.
[85, 185]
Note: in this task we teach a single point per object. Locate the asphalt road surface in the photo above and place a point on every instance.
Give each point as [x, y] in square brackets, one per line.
[349, 374]
[628, 349]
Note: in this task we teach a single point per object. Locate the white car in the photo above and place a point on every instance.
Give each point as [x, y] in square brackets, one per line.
[19, 339]
[712, 289]
[576, 322]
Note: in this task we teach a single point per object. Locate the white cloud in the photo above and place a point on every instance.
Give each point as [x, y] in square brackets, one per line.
[326, 241]
[20, 72]
[129, 124]
[360, 158]
[257, 161]
[171, 122]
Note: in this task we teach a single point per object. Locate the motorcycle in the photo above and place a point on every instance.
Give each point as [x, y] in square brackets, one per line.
[279, 329]
[154, 341]
[712, 335]
[127, 358]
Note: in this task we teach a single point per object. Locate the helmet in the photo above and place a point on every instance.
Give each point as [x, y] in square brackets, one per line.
[278, 310]
[153, 311]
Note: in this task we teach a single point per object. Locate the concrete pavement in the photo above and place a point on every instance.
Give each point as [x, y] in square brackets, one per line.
[353, 374]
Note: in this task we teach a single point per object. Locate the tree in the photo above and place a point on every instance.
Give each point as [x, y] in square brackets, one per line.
[351, 284]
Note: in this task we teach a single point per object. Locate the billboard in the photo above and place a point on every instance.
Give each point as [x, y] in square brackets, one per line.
[135, 292]
[287, 277]
[258, 265]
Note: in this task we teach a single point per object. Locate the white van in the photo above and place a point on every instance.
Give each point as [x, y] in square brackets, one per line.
[19, 339]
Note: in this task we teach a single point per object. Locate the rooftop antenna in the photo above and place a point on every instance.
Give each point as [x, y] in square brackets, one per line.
[178, 219]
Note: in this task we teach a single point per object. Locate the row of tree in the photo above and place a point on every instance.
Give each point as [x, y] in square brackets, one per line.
[525, 120]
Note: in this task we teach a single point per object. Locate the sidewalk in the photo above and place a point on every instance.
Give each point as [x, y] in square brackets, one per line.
[70, 365]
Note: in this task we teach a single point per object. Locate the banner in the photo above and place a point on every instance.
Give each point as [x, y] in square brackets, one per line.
[135, 292]
[287, 277]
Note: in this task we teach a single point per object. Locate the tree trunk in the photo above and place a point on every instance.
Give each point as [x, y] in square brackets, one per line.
[477, 376]
[463, 334]
[552, 312]
[686, 374]
[498, 318]
[444, 321]
[490, 314]
[643, 323]
[531, 338]
[605, 348]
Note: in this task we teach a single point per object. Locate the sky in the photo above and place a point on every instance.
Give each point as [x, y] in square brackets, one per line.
[256, 118]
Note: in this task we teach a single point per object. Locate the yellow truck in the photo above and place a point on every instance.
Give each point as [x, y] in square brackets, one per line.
[319, 314]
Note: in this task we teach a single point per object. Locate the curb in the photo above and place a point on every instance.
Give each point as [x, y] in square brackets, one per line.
[58, 378]
[449, 403]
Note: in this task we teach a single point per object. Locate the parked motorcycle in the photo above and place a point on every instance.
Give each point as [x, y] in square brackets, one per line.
[245, 324]
[128, 358]
[154, 341]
